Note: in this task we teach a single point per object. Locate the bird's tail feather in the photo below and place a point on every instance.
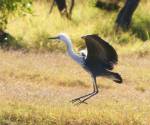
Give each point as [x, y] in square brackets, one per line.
[116, 77]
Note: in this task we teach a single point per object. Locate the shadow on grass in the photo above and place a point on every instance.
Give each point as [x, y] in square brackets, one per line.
[107, 6]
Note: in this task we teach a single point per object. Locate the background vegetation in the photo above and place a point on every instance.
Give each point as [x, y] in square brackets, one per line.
[37, 80]
[32, 30]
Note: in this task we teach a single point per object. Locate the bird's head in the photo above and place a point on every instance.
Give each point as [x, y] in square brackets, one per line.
[61, 37]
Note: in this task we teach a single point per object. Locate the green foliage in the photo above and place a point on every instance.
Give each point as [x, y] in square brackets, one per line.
[9, 7]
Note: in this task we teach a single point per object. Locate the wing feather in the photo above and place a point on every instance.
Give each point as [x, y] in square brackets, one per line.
[100, 51]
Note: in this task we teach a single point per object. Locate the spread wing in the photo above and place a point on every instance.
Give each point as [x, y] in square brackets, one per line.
[100, 52]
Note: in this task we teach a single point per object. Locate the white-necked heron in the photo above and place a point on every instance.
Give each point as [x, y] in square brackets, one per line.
[98, 61]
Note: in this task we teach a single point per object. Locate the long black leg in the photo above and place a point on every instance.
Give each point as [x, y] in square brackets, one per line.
[78, 99]
[82, 99]
[94, 93]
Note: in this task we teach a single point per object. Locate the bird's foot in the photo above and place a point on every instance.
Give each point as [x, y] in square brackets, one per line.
[75, 100]
[81, 102]
[78, 101]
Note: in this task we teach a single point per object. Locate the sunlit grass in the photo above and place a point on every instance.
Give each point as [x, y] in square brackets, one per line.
[33, 30]
[141, 21]
[35, 87]
[107, 113]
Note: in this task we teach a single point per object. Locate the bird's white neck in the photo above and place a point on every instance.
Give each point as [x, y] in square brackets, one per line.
[71, 52]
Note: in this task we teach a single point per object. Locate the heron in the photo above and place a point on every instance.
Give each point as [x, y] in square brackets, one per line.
[99, 60]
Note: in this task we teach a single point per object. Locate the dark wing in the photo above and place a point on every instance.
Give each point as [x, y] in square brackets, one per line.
[100, 52]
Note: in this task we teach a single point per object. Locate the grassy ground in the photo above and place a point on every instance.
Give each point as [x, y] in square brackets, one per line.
[37, 88]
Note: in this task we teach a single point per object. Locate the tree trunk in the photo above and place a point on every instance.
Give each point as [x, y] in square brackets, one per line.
[61, 4]
[71, 7]
[125, 15]
[62, 7]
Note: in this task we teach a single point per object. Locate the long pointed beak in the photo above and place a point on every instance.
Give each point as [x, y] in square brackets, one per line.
[54, 37]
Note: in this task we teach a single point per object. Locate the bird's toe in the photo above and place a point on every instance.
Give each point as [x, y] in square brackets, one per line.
[81, 102]
[78, 101]
[75, 100]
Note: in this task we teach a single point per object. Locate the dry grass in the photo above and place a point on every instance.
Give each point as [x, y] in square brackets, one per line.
[36, 89]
